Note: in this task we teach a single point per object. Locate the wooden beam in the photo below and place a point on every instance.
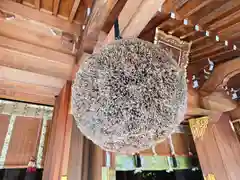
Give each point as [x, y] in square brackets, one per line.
[155, 21]
[74, 10]
[113, 15]
[23, 61]
[29, 87]
[32, 55]
[134, 17]
[36, 51]
[38, 16]
[30, 78]
[33, 33]
[15, 95]
[18, 86]
[100, 12]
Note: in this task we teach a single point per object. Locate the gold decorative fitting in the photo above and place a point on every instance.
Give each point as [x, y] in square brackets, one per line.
[64, 178]
[209, 177]
[198, 127]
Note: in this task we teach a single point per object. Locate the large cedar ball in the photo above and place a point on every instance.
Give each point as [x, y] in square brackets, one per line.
[129, 96]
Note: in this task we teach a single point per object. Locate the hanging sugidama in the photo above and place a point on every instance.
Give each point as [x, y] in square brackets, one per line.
[129, 96]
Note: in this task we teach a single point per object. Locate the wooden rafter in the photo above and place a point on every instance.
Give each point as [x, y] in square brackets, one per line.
[56, 4]
[210, 44]
[192, 7]
[213, 16]
[38, 16]
[207, 52]
[74, 10]
[37, 4]
[225, 9]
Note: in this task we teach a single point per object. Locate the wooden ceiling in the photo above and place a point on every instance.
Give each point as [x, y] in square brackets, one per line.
[37, 53]
[218, 17]
[69, 10]
[39, 39]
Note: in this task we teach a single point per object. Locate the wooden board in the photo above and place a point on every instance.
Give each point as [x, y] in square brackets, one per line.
[24, 141]
[209, 155]
[229, 146]
[217, 150]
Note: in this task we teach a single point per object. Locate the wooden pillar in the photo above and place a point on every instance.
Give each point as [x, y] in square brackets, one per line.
[58, 147]
[97, 161]
[67, 155]
[219, 149]
[79, 156]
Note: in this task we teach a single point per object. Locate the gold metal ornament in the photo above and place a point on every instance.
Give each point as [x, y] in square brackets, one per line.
[209, 177]
[198, 127]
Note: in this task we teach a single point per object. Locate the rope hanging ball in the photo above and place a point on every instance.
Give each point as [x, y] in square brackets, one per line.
[129, 96]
